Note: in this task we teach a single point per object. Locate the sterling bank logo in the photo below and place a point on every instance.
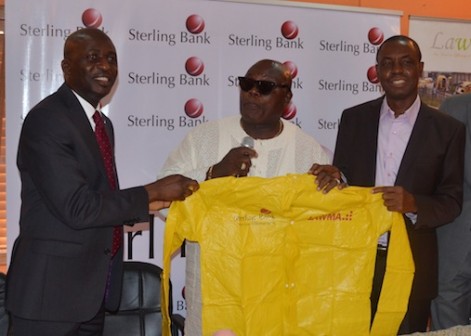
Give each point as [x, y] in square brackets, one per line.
[290, 110]
[193, 108]
[194, 66]
[372, 75]
[194, 76]
[375, 37]
[92, 18]
[195, 33]
[289, 30]
[290, 40]
[195, 24]
[293, 69]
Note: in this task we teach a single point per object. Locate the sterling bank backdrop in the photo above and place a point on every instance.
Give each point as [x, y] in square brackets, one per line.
[178, 67]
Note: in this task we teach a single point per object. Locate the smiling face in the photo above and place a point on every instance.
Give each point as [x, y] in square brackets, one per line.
[399, 69]
[90, 65]
[265, 109]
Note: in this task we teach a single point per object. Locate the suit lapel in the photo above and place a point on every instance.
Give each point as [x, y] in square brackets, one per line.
[371, 133]
[79, 118]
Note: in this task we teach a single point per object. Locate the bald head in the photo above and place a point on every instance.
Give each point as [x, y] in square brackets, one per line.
[82, 36]
[272, 69]
[90, 64]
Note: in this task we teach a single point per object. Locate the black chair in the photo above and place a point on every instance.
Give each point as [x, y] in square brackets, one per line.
[139, 313]
[4, 316]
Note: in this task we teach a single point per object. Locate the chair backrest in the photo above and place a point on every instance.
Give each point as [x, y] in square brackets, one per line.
[139, 313]
[4, 317]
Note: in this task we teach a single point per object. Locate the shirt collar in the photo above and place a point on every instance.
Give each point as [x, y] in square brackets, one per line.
[410, 114]
[87, 107]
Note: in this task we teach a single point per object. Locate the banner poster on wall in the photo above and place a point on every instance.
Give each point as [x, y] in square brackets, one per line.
[178, 67]
[446, 52]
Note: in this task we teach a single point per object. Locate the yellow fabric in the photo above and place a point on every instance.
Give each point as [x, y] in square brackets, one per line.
[280, 258]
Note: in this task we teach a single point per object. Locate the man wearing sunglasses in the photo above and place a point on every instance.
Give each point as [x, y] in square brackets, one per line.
[257, 142]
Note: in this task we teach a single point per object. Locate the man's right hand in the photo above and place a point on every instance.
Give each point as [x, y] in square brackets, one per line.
[237, 162]
[159, 205]
[171, 188]
[327, 177]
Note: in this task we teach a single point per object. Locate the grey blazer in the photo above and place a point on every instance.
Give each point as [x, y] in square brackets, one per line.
[454, 240]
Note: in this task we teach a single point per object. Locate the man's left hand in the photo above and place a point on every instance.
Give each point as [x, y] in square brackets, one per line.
[397, 199]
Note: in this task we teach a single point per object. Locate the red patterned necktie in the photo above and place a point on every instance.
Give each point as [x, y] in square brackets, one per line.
[107, 155]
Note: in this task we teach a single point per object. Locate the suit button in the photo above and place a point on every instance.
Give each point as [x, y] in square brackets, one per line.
[107, 251]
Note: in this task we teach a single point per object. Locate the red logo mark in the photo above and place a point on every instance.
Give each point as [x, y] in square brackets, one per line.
[372, 75]
[193, 108]
[289, 112]
[194, 66]
[195, 24]
[289, 30]
[265, 211]
[293, 69]
[92, 18]
[375, 36]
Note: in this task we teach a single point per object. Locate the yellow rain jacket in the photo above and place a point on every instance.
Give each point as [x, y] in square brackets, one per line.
[280, 258]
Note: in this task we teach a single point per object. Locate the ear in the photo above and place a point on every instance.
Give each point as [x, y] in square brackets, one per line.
[65, 65]
[421, 69]
[288, 97]
[377, 73]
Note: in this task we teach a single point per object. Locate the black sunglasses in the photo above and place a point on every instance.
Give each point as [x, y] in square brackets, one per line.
[263, 87]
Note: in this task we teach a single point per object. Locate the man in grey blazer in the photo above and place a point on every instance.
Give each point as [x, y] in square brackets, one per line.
[63, 273]
[452, 306]
[413, 155]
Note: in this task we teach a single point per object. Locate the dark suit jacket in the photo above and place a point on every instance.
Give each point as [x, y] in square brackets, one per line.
[431, 169]
[61, 258]
[454, 240]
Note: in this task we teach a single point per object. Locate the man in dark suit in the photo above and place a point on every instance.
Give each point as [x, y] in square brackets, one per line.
[413, 155]
[452, 306]
[64, 273]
